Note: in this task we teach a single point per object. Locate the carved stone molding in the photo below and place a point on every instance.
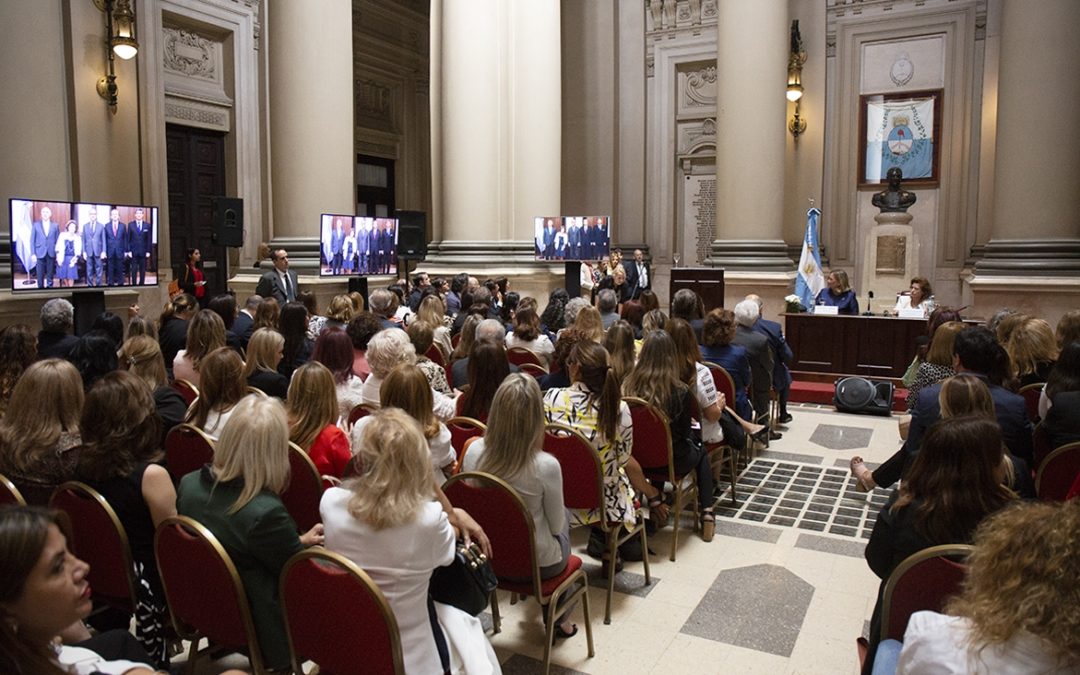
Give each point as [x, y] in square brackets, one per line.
[375, 105]
[190, 54]
[700, 89]
[197, 114]
[697, 137]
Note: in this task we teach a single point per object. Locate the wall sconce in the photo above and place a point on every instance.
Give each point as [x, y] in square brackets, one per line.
[120, 41]
[797, 125]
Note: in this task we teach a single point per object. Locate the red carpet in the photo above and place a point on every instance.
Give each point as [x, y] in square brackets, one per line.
[803, 391]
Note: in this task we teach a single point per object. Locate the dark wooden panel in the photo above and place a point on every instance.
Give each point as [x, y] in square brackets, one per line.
[852, 345]
[708, 282]
[196, 164]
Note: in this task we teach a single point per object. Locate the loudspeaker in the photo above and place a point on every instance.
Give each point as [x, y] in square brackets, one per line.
[412, 234]
[228, 221]
[358, 285]
[863, 396]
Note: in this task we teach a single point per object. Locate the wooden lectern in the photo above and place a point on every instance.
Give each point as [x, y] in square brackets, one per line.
[708, 282]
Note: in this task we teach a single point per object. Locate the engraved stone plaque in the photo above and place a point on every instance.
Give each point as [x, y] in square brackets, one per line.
[891, 254]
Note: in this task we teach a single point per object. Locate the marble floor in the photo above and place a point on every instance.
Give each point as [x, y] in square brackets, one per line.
[782, 588]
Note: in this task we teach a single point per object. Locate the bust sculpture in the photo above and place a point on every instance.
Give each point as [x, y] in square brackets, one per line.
[893, 198]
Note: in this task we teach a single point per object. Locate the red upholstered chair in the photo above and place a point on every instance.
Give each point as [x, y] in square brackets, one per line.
[455, 340]
[719, 452]
[461, 430]
[98, 537]
[9, 494]
[187, 449]
[435, 353]
[583, 488]
[187, 389]
[464, 451]
[923, 581]
[520, 355]
[302, 495]
[1057, 473]
[1041, 446]
[652, 450]
[498, 509]
[359, 410]
[533, 369]
[1031, 393]
[726, 386]
[203, 589]
[337, 617]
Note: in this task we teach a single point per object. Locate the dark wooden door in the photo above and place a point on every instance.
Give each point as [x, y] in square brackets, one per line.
[196, 161]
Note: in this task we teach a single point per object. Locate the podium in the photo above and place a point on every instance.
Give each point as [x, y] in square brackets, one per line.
[708, 282]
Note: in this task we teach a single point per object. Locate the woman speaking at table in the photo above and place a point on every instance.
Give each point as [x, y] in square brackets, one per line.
[838, 293]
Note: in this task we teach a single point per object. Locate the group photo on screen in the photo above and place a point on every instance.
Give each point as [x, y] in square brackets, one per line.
[354, 245]
[82, 245]
[571, 237]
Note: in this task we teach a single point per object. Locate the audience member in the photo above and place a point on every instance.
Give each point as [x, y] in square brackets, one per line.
[688, 306]
[453, 298]
[606, 303]
[224, 305]
[236, 498]
[1060, 402]
[39, 433]
[141, 356]
[264, 352]
[244, 325]
[553, 318]
[759, 354]
[570, 312]
[422, 337]
[385, 522]
[338, 313]
[173, 327]
[559, 375]
[1032, 351]
[298, 346]
[1068, 328]
[649, 301]
[389, 348]
[221, 389]
[316, 321]
[111, 326]
[938, 363]
[267, 315]
[527, 335]
[18, 349]
[465, 342]
[384, 306]
[433, 311]
[782, 358]
[718, 347]
[313, 415]
[140, 325]
[205, 334]
[588, 321]
[488, 368]
[57, 320]
[360, 330]
[633, 313]
[334, 350]
[619, 342]
[509, 307]
[487, 330]
[93, 355]
[653, 321]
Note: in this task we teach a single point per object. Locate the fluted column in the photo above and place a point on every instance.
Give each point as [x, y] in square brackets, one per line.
[751, 67]
[310, 94]
[1036, 223]
[495, 127]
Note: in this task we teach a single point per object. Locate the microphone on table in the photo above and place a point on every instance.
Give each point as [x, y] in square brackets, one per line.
[869, 297]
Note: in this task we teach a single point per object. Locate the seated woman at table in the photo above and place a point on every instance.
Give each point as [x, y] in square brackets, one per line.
[920, 296]
[837, 293]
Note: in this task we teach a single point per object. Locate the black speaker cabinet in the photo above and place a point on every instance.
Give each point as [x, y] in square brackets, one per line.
[863, 396]
[412, 234]
[358, 285]
[229, 221]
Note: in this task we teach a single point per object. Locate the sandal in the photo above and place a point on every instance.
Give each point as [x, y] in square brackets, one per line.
[761, 436]
[864, 479]
[564, 634]
[708, 526]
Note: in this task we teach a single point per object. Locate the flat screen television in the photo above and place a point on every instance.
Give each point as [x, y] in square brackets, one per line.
[357, 246]
[82, 245]
[571, 237]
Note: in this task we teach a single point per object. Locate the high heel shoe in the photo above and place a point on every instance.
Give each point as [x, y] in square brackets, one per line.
[761, 436]
[708, 526]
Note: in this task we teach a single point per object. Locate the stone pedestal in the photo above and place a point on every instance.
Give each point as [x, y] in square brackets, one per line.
[890, 256]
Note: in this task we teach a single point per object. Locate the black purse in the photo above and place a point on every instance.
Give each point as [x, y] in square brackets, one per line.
[467, 582]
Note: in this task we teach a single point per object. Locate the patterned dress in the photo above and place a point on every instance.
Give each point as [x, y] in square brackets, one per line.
[574, 407]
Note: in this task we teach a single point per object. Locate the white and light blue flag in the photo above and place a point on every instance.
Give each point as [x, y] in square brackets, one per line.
[809, 279]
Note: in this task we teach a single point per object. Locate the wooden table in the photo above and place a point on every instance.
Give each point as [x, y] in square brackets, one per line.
[872, 346]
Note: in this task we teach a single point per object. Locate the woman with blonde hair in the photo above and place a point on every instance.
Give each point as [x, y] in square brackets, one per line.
[619, 341]
[141, 356]
[386, 522]
[588, 322]
[388, 349]
[468, 336]
[221, 389]
[237, 499]
[39, 432]
[1033, 350]
[1016, 612]
[313, 416]
[432, 309]
[339, 312]
[938, 364]
[512, 449]
[264, 352]
[205, 334]
[173, 325]
[406, 388]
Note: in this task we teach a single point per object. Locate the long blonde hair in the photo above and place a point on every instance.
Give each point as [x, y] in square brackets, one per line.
[46, 402]
[588, 321]
[655, 378]
[312, 403]
[206, 332]
[397, 471]
[433, 310]
[254, 446]
[619, 341]
[141, 356]
[515, 428]
[407, 388]
[262, 351]
[221, 385]
[1030, 344]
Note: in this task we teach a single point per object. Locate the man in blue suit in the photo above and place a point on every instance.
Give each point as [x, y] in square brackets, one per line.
[115, 248]
[782, 356]
[975, 351]
[363, 248]
[139, 244]
[43, 236]
[337, 247]
[93, 249]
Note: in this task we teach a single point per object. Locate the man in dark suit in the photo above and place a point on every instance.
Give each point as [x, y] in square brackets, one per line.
[373, 249]
[57, 319]
[139, 245]
[386, 247]
[337, 247]
[548, 249]
[760, 355]
[488, 330]
[93, 251]
[43, 236]
[115, 248]
[279, 283]
[782, 356]
[573, 237]
[638, 275]
[975, 351]
[244, 323]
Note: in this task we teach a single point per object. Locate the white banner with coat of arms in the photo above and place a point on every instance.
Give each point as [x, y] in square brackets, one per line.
[900, 133]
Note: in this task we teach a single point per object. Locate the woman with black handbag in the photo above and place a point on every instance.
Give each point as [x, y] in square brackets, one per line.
[386, 522]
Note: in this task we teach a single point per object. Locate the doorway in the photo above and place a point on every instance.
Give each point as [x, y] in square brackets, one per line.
[196, 165]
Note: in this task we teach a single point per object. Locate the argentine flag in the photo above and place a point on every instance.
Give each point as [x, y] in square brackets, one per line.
[809, 280]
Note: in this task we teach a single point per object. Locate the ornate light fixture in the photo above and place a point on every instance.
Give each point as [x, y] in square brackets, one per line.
[120, 42]
[797, 125]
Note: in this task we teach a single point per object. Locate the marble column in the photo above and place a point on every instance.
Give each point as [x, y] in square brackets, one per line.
[1036, 221]
[310, 94]
[496, 128]
[751, 70]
